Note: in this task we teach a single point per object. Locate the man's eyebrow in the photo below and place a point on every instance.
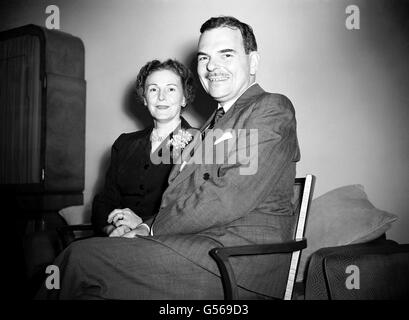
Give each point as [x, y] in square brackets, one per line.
[227, 50]
[220, 51]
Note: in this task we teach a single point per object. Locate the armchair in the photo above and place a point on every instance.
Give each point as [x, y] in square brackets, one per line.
[377, 270]
[70, 233]
[303, 191]
[343, 229]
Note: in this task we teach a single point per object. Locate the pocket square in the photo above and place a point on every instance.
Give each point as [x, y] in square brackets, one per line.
[225, 136]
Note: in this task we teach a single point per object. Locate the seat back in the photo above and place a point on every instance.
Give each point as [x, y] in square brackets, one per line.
[303, 191]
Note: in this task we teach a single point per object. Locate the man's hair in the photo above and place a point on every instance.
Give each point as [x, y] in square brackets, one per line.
[249, 40]
[178, 68]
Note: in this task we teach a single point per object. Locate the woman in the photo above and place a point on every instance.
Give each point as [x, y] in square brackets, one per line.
[134, 183]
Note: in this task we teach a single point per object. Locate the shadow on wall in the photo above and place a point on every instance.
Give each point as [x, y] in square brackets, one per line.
[203, 105]
[103, 167]
[135, 109]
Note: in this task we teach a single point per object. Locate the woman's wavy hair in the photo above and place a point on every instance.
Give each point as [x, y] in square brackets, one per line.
[178, 68]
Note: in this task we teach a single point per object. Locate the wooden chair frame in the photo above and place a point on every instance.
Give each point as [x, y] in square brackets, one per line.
[222, 255]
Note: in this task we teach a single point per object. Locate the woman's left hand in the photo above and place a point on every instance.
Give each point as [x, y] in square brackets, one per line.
[141, 230]
[119, 232]
[124, 217]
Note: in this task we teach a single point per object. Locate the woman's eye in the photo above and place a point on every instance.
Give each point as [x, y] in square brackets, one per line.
[228, 55]
[172, 89]
[152, 90]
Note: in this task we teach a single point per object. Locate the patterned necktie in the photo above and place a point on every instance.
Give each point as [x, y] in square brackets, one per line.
[219, 113]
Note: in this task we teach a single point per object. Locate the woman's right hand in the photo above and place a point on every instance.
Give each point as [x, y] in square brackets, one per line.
[124, 217]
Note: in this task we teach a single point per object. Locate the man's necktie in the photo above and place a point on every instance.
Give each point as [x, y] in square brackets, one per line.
[219, 113]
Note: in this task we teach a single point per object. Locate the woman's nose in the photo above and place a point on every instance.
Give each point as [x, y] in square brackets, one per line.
[162, 95]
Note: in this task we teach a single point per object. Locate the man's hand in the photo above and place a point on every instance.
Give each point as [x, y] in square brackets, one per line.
[141, 230]
[124, 217]
[120, 231]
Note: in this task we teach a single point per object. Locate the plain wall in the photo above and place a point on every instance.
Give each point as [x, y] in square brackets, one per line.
[349, 88]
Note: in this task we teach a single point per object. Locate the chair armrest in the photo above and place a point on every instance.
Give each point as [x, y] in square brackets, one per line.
[67, 233]
[75, 227]
[221, 256]
[380, 271]
[70, 229]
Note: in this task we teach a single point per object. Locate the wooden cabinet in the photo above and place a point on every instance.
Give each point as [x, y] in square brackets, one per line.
[42, 119]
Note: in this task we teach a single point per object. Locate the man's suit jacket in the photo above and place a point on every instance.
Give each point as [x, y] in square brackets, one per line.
[210, 205]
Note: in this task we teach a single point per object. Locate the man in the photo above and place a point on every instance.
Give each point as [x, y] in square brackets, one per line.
[206, 205]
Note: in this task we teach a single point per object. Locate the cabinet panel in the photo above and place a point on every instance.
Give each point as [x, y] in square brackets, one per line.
[42, 118]
[65, 143]
[20, 111]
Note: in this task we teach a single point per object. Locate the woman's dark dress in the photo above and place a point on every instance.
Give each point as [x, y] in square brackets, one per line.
[132, 180]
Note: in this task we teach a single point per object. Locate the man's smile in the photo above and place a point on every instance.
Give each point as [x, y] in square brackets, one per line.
[215, 77]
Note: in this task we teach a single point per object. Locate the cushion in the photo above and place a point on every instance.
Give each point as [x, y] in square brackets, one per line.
[76, 215]
[340, 217]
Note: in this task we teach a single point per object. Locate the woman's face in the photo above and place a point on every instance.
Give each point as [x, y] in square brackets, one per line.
[164, 95]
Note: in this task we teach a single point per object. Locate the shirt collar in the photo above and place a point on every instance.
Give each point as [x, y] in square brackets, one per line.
[229, 104]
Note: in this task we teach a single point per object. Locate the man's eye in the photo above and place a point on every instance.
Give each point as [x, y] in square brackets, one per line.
[172, 89]
[202, 58]
[228, 55]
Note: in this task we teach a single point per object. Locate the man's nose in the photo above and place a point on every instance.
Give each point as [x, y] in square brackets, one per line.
[211, 65]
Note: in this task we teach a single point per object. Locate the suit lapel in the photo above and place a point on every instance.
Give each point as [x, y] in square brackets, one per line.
[185, 157]
[175, 170]
[207, 123]
[245, 100]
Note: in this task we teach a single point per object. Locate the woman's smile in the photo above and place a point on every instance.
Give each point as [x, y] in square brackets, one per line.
[162, 107]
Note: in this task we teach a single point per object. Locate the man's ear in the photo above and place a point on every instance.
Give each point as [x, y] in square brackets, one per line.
[254, 60]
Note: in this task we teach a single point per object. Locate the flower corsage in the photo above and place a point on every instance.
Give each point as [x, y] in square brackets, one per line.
[180, 140]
